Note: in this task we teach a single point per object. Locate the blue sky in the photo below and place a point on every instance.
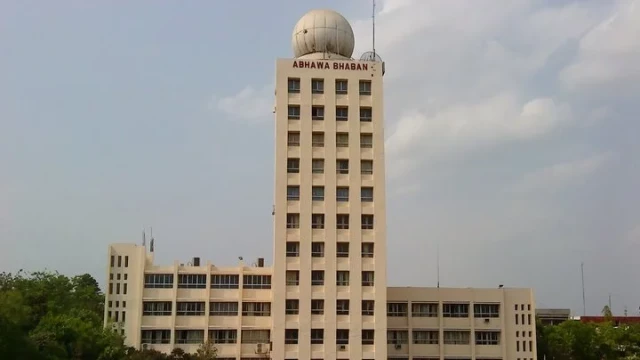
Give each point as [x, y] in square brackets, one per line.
[511, 136]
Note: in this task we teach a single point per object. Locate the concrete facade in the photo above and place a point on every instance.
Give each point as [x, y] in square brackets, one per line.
[326, 295]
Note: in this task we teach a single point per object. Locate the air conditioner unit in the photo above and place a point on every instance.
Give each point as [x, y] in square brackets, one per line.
[486, 320]
[262, 348]
[144, 346]
[342, 347]
[398, 346]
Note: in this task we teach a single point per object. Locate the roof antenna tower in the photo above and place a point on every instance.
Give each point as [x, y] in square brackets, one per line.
[373, 24]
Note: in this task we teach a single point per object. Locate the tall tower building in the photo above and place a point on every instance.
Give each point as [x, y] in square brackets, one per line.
[329, 272]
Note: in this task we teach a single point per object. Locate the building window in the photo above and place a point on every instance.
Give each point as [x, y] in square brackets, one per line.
[342, 307]
[294, 112]
[342, 139]
[224, 336]
[293, 85]
[189, 336]
[293, 192]
[126, 261]
[158, 281]
[293, 138]
[366, 141]
[367, 278]
[397, 309]
[424, 309]
[191, 281]
[342, 336]
[366, 114]
[365, 87]
[317, 166]
[366, 250]
[317, 221]
[455, 310]
[156, 308]
[487, 338]
[317, 86]
[342, 113]
[292, 307]
[126, 276]
[397, 337]
[293, 166]
[124, 292]
[459, 337]
[317, 139]
[317, 307]
[367, 222]
[155, 336]
[368, 307]
[424, 337]
[366, 194]
[118, 276]
[256, 336]
[110, 276]
[118, 292]
[342, 249]
[113, 261]
[366, 167]
[342, 278]
[293, 277]
[486, 310]
[317, 249]
[225, 281]
[317, 277]
[342, 166]
[293, 221]
[225, 308]
[119, 261]
[342, 221]
[190, 308]
[256, 309]
[317, 193]
[317, 112]
[256, 281]
[291, 336]
[342, 86]
[342, 193]
[368, 337]
[317, 336]
[293, 249]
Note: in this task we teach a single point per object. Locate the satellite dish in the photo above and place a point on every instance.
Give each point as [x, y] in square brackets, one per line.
[372, 56]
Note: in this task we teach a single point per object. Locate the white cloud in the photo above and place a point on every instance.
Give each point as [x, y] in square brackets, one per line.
[562, 174]
[610, 52]
[248, 104]
[419, 136]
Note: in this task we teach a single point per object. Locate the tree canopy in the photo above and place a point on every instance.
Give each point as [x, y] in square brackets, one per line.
[49, 316]
[575, 340]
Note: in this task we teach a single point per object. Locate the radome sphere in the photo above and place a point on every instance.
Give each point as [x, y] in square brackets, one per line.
[323, 32]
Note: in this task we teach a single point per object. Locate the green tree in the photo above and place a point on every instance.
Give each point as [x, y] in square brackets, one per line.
[46, 315]
[207, 351]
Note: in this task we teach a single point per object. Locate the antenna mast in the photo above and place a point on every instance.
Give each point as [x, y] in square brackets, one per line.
[373, 22]
[584, 299]
[438, 263]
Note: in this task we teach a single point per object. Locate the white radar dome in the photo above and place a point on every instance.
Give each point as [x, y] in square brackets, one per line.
[323, 32]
